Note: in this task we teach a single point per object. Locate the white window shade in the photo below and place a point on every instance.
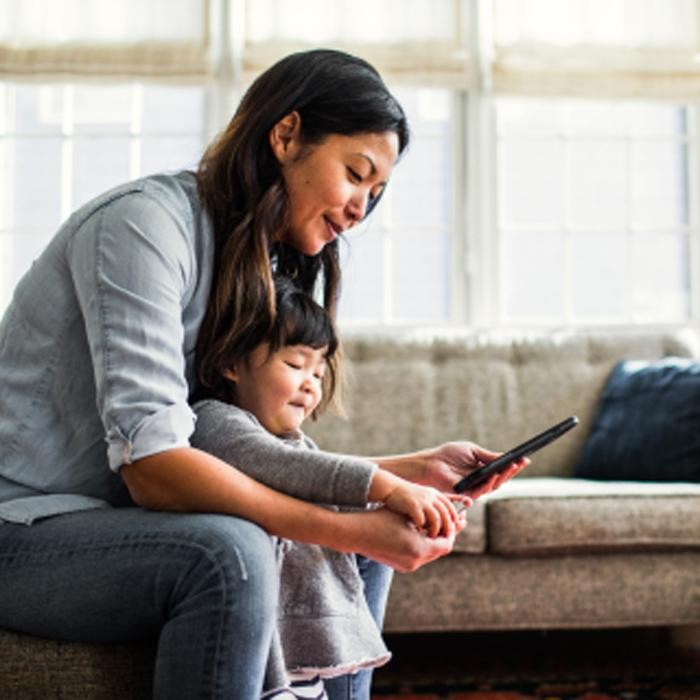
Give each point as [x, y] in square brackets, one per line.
[122, 38]
[418, 41]
[601, 48]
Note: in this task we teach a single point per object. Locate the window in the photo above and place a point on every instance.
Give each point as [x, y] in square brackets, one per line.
[551, 178]
[63, 144]
[397, 264]
[594, 211]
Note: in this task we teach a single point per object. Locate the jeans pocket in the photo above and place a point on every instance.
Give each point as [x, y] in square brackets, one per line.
[26, 510]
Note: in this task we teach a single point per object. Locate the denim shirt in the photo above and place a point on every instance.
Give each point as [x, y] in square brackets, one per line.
[97, 347]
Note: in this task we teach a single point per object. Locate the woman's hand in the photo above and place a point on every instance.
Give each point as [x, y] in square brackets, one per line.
[391, 539]
[442, 467]
[447, 464]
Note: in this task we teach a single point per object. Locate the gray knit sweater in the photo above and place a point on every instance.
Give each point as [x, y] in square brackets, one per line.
[324, 626]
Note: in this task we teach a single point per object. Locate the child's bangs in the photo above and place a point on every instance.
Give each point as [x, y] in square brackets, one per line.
[306, 323]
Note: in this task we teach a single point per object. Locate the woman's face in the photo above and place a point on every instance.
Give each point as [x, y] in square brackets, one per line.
[330, 185]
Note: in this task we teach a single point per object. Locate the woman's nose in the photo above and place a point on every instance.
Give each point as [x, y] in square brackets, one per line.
[357, 207]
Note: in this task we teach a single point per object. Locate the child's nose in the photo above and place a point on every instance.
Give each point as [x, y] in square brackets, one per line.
[307, 384]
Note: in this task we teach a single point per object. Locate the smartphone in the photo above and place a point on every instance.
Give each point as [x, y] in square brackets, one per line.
[480, 475]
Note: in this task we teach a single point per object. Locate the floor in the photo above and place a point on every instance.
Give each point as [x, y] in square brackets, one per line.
[637, 664]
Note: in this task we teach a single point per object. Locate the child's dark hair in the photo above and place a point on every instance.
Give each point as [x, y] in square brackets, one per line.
[299, 320]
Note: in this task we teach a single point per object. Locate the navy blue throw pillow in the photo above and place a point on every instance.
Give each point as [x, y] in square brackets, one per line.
[648, 424]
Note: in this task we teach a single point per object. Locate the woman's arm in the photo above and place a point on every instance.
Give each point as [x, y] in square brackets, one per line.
[189, 480]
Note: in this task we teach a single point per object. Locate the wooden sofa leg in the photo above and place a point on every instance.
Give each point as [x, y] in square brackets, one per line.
[686, 636]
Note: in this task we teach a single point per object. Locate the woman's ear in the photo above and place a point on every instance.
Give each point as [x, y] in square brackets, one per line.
[285, 137]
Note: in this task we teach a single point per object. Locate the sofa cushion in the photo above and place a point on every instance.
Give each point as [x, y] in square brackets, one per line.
[412, 390]
[34, 667]
[549, 515]
[647, 425]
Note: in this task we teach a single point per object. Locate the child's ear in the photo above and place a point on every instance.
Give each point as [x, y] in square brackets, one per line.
[230, 374]
[284, 137]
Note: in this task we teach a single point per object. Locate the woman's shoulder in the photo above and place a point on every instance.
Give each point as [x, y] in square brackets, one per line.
[171, 194]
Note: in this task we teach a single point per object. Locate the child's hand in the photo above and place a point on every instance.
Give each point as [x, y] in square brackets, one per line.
[430, 510]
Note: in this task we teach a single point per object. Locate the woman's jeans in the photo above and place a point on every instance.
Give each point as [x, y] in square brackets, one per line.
[205, 585]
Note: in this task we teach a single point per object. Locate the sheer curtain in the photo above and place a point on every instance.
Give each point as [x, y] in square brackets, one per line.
[421, 41]
[598, 48]
[120, 38]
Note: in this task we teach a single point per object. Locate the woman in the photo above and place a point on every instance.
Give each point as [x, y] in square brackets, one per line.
[125, 315]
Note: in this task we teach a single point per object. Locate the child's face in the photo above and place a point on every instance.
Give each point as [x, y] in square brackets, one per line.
[280, 389]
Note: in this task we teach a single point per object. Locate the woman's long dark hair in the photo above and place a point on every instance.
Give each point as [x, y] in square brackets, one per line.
[241, 186]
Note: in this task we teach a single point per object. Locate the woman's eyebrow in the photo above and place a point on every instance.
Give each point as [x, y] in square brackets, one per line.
[373, 167]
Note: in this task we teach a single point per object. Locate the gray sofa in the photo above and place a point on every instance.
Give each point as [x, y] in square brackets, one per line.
[547, 551]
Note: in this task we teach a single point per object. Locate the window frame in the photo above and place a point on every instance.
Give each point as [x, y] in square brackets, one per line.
[476, 270]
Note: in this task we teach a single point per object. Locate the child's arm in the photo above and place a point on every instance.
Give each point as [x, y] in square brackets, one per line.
[429, 509]
[313, 475]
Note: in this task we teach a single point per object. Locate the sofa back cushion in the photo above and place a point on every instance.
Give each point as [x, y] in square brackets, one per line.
[411, 391]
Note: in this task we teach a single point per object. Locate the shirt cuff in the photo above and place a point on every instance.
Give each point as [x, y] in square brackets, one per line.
[166, 429]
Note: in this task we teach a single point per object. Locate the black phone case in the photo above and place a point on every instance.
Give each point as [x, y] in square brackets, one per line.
[478, 476]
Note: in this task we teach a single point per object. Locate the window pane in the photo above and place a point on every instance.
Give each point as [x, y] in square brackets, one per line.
[534, 262]
[37, 111]
[624, 240]
[401, 272]
[421, 279]
[659, 187]
[531, 182]
[63, 144]
[659, 267]
[37, 181]
[172, 110]
[98, 164]
[421, 184]
[599, 276]
[598, 183]
[169, 154]
[103, 110]
[362, 260]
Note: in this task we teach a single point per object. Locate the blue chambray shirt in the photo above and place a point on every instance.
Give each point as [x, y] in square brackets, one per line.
[97, 347]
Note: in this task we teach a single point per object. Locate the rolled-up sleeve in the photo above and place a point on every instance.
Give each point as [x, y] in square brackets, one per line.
[133, 266]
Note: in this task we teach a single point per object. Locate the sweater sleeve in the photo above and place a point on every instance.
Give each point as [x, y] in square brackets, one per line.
[236, 437]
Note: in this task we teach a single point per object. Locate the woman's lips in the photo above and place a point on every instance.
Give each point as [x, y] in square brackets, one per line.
[333, 229]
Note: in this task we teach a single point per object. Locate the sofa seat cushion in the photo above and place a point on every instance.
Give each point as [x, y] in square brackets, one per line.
[541, 516]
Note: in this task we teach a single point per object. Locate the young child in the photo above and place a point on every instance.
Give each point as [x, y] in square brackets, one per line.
[254, 422]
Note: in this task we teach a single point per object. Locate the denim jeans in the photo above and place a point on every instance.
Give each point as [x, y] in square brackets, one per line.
[377, 581]
[205, 585]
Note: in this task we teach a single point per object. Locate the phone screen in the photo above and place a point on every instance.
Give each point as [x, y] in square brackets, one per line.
[480, 475]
